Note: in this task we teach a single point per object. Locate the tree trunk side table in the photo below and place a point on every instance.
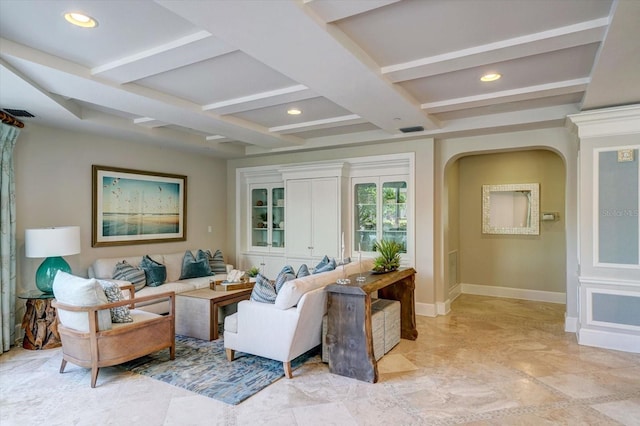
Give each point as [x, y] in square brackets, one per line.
[39, 322]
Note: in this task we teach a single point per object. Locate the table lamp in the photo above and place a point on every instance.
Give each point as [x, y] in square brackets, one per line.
[52, 243]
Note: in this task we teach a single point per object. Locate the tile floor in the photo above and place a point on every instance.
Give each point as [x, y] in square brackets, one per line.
[491, 361]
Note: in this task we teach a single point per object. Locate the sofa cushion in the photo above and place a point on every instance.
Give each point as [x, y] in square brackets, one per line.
[216, 262]
[293, 290]
[303, 271]
[263, 290]
[323, 262]
[325, 267]
[194, 267]
[155, 272]
[119, 314]
[286, 274]
[126, 272]
[76, 291]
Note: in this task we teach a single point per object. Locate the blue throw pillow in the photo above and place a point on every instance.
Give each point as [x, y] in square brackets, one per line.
[156, 273]
[195, 267]
[303, 271]
[285, 275]
[330, 266]
[263, 290]
[126, 272]
[323, 262]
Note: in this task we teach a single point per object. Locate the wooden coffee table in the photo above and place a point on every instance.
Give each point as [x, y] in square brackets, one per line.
[197, 311]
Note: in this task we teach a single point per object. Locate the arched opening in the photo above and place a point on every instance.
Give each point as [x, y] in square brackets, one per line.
[531, 267]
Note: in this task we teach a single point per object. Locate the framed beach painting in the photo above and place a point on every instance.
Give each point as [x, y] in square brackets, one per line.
[137, 207]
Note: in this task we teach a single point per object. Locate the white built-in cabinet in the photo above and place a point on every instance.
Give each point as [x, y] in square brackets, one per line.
[298, 213]
[313, 221]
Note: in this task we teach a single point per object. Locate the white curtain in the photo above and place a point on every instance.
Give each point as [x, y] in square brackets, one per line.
[8, 137]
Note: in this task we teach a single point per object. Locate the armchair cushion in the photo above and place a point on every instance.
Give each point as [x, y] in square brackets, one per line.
[119, 314]
[77, 291]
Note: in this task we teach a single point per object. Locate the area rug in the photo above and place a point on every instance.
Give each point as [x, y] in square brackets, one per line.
[202, 367]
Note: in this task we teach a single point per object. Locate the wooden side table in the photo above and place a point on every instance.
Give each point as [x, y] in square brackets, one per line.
[39, 322]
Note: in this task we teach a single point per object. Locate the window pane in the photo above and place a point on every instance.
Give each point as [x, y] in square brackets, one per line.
[394, 213]
[366, 212]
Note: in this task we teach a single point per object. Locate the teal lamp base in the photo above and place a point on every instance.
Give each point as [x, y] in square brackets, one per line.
[47, 272]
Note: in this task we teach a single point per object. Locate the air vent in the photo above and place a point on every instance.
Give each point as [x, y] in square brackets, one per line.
[18, 112]
[412, 129]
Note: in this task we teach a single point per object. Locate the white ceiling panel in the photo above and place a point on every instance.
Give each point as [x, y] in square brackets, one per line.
[225, 77]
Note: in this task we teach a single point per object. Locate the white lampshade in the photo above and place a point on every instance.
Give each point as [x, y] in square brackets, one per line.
[49, 242]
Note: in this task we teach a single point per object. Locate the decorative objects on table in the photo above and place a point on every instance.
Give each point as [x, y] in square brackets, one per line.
[52, 243]
[137, 207]
[389, 258]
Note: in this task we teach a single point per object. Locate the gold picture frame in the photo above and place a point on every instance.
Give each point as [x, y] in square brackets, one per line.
[137, 207]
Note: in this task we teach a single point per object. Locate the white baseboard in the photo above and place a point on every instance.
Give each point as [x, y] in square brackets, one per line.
[609, 340]
[443, 308]
[514, 293]
[570, 324]
[426, 309]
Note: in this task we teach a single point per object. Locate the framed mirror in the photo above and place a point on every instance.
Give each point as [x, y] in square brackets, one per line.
[511, 209]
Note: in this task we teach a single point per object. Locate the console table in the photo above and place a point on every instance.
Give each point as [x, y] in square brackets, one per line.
[349, 334]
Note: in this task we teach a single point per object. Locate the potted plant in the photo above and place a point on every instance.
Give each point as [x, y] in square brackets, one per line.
[253, 272]
[389, 258]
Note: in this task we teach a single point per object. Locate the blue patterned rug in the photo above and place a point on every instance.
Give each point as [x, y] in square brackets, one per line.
[202, 367]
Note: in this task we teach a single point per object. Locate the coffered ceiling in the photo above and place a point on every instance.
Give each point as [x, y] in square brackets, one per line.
[218, 77]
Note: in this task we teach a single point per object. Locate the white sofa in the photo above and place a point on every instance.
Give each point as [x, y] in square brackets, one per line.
[289, 327]
[103, 269]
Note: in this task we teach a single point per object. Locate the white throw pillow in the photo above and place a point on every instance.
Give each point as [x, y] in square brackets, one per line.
[77, 291]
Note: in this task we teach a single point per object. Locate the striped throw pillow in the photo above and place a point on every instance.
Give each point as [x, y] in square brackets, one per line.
[263, 290]
[216, 262]
[126, 272]
[285, 275]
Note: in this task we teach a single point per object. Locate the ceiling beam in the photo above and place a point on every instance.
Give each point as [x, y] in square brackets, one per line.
[505, 96]
[166, 57]
[295, 93]
[504, 50]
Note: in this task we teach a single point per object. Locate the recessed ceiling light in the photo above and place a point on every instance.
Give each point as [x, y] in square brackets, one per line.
[294, 111]
[492, 76]
[80, 20]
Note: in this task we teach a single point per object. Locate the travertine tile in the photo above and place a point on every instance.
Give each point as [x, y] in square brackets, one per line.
[489, 362]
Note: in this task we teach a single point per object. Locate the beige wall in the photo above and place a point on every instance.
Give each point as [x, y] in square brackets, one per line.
[516, 261]
[452, 179]
[53, 188]
[424, 187]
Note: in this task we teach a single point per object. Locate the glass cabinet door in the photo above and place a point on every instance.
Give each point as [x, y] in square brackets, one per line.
[277, 217]
[259, 217]
[366, 216]
[267, 217]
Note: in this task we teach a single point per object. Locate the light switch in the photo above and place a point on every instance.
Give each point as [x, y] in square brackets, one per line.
[209, 228]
